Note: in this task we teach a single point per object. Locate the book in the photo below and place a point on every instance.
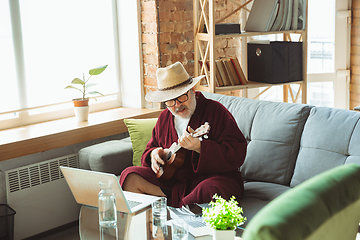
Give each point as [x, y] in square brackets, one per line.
[229, 66]
[261, 15]
[232, 81]
[217, 77]
[239, 71]
[223, 73]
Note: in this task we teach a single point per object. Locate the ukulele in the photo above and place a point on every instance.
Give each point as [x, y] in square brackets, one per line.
[168, 169]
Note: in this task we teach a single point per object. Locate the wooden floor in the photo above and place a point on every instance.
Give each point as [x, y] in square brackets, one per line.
[69, 232]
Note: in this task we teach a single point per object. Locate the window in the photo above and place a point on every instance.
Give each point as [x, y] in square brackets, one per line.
[321, 36]
[44, 44]
[328, 52]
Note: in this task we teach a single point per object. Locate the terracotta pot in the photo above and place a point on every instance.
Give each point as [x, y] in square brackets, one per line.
[79, 102]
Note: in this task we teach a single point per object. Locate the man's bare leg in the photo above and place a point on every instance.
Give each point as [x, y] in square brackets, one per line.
[137, 184]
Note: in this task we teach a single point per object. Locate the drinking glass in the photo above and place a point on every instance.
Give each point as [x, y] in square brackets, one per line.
[179, 229]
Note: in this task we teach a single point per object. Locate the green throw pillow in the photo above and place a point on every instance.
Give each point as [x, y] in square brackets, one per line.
[140, 133]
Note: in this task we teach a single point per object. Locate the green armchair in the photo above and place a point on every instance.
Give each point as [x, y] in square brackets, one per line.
[326, 206]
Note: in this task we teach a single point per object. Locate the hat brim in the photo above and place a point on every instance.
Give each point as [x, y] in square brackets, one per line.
[162, 96]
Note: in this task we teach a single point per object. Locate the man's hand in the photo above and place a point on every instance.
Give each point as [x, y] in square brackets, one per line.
[187, 141]
[158, 158]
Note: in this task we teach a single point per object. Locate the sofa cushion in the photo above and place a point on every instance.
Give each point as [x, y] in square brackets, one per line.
[275, 140]
[243, 110]
[110, 156]
[331, 138]
[263, 190]
[273, 132]
[140, 133]
[257, 194]
[324, 207]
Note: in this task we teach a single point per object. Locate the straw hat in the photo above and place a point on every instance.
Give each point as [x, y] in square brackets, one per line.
[173, 81]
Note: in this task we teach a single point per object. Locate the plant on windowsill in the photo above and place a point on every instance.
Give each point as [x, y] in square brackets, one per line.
[223, 217]
[81, 105]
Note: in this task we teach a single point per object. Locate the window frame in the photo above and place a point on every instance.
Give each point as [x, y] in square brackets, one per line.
[126, 19]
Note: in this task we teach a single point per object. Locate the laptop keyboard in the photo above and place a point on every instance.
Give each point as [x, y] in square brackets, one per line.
[133, 204]
[195, 222]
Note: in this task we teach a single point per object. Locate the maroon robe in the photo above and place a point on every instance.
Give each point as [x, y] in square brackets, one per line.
[215, 170]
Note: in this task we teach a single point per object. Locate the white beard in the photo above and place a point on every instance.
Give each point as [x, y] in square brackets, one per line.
[191, 108]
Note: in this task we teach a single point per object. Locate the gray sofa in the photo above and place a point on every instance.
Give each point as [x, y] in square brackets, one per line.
[287, 144]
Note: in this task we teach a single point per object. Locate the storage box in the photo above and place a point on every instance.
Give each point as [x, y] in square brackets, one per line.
[225, 28]
[277, 62]
[6, 222]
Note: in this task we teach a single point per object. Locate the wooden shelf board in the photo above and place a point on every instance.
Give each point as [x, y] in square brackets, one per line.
[206, 36]
[247, 86]
[25, 140]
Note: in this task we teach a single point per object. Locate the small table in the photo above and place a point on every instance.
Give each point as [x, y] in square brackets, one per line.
[129, 226]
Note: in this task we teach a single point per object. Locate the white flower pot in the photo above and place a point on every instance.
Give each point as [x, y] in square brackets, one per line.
[223, 234]
[81, 113]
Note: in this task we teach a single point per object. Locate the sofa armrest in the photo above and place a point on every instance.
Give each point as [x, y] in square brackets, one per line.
[110, 157]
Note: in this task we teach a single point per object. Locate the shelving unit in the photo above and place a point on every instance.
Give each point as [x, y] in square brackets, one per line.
[204, 50]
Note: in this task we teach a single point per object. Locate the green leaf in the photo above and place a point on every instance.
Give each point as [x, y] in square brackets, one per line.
[78, 81]
[90, 85]
[72, 87]
[223, 214]
[95, 92]
[98, 70]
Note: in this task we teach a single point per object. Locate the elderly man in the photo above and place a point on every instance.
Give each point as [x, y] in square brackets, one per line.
[210, 164]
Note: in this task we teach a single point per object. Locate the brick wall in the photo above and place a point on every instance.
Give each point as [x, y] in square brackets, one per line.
[150, 45]
[168, 37]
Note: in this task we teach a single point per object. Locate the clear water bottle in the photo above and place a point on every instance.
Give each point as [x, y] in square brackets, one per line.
[159, 214]
[107, 205]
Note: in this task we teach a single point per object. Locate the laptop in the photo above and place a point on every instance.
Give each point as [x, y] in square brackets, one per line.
[84, 185]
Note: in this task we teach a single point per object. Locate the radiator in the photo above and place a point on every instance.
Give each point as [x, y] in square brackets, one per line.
[41, 197]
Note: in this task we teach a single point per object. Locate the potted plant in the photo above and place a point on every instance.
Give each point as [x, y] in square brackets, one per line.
[223, 217]
[81, 105]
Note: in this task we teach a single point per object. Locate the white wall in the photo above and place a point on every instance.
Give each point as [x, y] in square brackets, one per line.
[43, 156]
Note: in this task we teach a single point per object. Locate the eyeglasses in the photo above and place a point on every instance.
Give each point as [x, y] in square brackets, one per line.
[181, 99]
